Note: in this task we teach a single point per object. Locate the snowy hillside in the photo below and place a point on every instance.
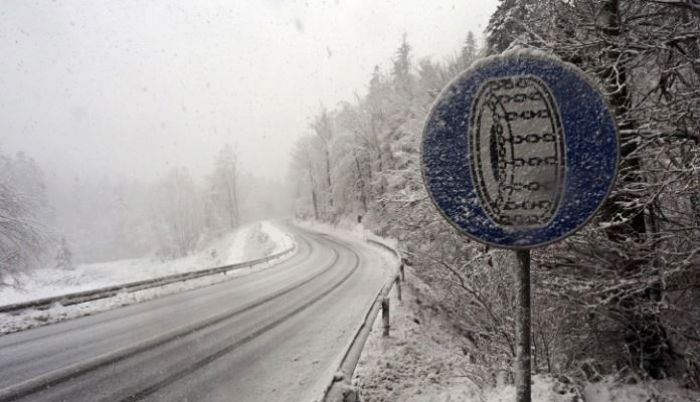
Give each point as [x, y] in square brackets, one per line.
[425, 359]
[249, 242]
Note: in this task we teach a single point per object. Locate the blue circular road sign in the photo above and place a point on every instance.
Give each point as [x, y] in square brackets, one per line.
[520, 150]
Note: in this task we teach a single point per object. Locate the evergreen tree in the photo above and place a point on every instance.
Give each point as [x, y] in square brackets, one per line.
[401, 70]
[224, 186]
[468, 54]
[64, 257]
[506, 24]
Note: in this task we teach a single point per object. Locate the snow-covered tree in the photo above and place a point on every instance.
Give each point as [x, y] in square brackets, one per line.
[177, 212]
[22, 200]
[401, 70]
[224, 188]
[620, 277]
[469, 50]
[622, 294]
[507, 23]
[324, 130]
[306, 162]
[64, 257]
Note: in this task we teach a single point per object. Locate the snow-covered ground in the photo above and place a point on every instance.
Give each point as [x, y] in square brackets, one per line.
[249, 242]
[422, 361]
[346, 229]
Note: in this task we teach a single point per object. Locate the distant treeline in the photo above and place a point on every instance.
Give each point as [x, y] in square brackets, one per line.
[96, 220]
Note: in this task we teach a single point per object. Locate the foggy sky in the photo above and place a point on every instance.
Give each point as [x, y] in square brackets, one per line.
[129, 88]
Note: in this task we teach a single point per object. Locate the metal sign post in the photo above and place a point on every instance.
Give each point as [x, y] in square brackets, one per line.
[522, 327]
[518, 152]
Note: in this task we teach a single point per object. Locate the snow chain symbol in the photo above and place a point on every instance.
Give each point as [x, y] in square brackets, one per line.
[517, 147]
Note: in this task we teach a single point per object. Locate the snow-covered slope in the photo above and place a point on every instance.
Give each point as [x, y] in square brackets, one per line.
[249, 242]
[423, 361]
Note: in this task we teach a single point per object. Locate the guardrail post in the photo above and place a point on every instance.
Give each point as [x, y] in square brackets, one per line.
[398, 287]
[385, 315]
[351, 394]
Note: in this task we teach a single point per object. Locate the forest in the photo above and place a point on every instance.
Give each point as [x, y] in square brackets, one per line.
[620, 297]
[50, 222]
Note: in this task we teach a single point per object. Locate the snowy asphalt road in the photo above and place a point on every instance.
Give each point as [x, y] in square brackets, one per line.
[274, 335]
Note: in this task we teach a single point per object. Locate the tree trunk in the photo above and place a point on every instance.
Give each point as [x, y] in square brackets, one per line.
[363, 191]
[328, 179]
[229, 207]
[644, 336]
[235, 199]
[314, 200]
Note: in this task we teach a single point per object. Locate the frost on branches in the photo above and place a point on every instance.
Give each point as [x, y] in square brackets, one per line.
[618, 298]
[22, 200]
[631, 280]
[64, 257]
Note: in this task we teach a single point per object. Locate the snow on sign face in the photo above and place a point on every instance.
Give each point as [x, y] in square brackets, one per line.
[520, 150]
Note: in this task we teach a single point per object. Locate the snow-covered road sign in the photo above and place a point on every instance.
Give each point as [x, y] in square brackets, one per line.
[520, 150]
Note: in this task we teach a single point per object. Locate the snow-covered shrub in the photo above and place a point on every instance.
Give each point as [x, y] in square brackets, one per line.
[64, 257]
[22, 200]
[619, 296]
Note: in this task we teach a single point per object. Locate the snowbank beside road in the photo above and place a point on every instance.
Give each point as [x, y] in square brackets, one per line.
[346, 230]
[423, 360]
[546, 389]
[280, 239]
[249, 242]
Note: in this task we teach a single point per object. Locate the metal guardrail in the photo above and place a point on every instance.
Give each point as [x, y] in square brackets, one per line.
[340, 388]
[94, 294]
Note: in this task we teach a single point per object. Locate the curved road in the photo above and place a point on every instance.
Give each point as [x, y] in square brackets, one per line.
[273, 335]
